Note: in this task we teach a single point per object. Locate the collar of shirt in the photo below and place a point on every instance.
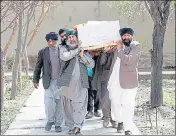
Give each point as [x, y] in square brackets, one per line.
[53, 48]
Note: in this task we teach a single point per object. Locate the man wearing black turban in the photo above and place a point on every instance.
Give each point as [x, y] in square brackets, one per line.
[49, 62]
[123, 86]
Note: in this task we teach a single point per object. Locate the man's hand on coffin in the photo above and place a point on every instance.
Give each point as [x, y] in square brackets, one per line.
[107, 48]
[113, 48]
[79, 44]
[81, 53]
[119, 44]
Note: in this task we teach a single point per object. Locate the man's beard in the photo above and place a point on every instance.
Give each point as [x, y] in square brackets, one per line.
[126, 43]
[63, 42]
[72, 46]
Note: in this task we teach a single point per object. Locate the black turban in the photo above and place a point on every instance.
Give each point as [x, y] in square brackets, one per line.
[125, 30]
[62, 30]
[52, 36]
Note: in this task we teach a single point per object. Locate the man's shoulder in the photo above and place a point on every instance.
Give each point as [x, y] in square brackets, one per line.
[43, 49]
[135, 44]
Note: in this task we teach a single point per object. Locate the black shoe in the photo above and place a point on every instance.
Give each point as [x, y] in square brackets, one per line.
[103, 118]
[71, 132]
[58, 129]
[48, 126]
[97, 114]
[120, 128]
[77, 132]
[128, 132]
[89, 115]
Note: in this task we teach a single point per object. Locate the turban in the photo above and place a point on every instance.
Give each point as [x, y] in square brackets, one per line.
[70, 32]
[62, 30]
[125, 30]
[52, 36]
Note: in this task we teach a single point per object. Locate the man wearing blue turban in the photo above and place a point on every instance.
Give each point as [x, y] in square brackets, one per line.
[49, 62]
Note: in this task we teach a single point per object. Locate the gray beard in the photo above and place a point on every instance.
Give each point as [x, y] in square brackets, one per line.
[71, 46]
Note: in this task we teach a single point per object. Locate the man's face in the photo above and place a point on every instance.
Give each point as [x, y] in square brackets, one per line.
[51, 42]
[126, 39]
[72, 41]
[62, 35]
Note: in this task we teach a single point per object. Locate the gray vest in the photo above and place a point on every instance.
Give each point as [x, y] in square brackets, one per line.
[66, 71]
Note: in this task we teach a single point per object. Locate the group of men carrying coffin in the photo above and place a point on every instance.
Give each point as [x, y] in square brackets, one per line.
[72, 76]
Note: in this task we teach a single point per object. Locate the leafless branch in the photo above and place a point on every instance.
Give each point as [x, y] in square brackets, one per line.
[11, 37]
[153, 10]
[8, 15]
[4, 4]
[17, 14]
[5, 12]
[166, 12]
[149, 10]
[166, 5]
[10, 24]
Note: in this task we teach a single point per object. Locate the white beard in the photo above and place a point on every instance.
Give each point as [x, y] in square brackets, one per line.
[71, 46]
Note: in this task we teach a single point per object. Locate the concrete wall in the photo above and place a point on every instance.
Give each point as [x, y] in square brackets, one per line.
[75, 12]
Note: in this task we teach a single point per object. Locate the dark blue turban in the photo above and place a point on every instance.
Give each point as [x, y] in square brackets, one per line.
[52, 36]
[125, 30]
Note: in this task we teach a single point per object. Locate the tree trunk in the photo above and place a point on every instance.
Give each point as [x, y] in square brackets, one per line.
[3, 59]
[19, 74]
[17, 58]
[157, 64]
[26, 62]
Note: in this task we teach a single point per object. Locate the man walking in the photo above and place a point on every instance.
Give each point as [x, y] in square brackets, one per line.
[73, 82]
[48, 61]
[123, 82]
[100, 81]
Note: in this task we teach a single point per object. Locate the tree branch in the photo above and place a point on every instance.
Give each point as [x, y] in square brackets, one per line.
[149, 10]
[3, 6]
[166, 12]
[5, 12]
[8, 14]
[10, 24]
[37, 26]
[39, 18]
[166, 5]
[153, 11]
[14, 18]
[11, 38]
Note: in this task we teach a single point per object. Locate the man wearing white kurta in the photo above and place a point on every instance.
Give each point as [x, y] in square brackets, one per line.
[123, 81]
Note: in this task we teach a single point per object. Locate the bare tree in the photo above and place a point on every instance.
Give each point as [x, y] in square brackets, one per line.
[159, 12]
[9, 13]
[19, 14]
[23, 36]
[2, 79]
[18, 50]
